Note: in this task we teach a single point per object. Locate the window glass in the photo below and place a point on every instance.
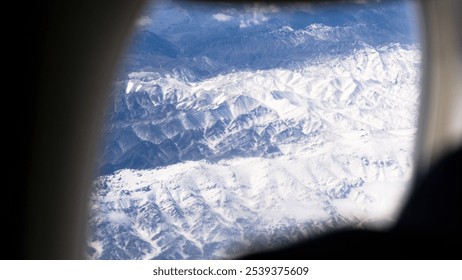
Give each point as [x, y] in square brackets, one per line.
[239, 127]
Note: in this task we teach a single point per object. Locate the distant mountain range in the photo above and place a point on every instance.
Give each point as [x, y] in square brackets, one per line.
[185, 36]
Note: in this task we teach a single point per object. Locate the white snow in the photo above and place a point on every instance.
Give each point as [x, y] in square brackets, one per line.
[118, 217]
[359, 116]
[222, 17]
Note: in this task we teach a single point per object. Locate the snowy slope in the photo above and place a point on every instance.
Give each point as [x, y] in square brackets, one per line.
[259, 113]
[255, 159]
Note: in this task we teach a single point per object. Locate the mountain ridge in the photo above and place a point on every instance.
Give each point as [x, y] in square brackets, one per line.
[211, 118]
[240, 128]
[337, 135]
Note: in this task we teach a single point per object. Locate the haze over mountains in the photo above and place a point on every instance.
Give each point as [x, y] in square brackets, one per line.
[239, 128]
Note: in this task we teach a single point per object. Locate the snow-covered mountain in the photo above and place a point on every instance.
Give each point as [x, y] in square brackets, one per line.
[254, 135]
[263, 157]
[160, 120]
[209, 40]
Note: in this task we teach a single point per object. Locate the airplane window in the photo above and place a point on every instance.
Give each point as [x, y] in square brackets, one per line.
[239, 127]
